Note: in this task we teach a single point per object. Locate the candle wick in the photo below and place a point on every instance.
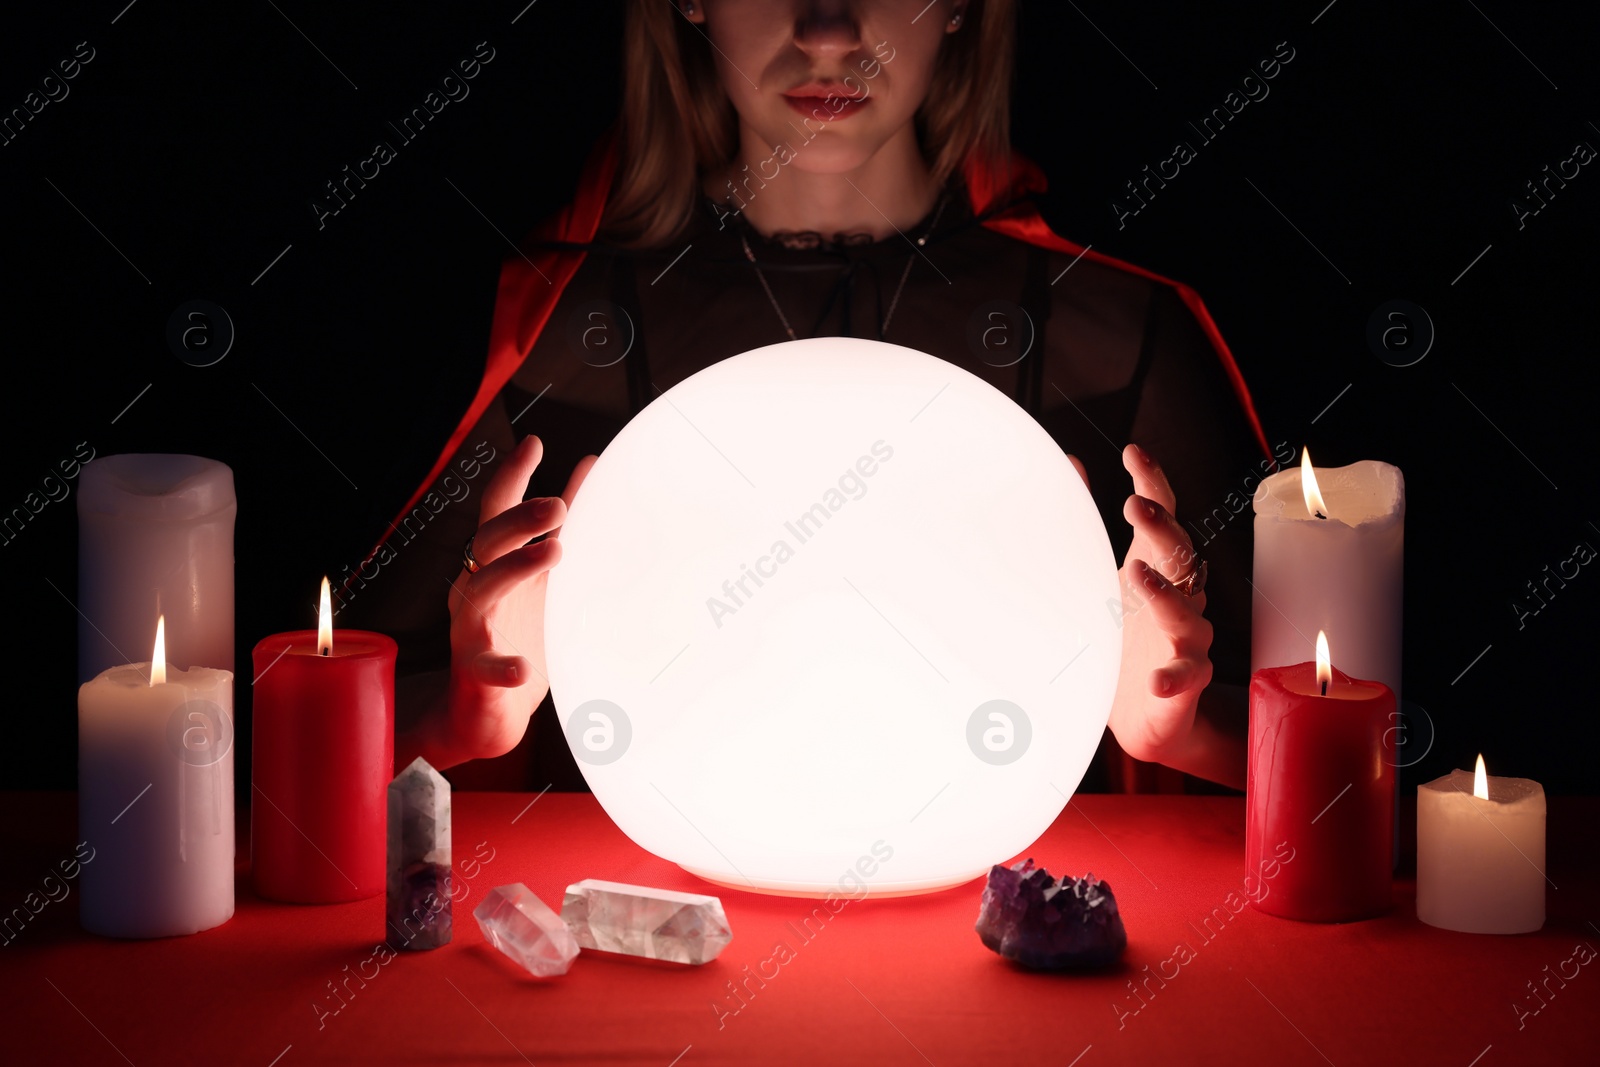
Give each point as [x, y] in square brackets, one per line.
[1319, 514]
[325, 652]
[1324, 688]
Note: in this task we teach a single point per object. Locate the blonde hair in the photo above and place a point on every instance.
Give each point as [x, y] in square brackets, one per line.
[677, 122]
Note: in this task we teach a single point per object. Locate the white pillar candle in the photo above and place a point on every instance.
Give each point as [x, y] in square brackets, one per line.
[155, 534]
[1340, 574]
[1480, 853]
[155, 799]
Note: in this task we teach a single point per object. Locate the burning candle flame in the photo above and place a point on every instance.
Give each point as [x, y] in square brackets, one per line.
[1324, 663]
[1480, 780]
[158, 657]
[1308, 486]
[325, 623]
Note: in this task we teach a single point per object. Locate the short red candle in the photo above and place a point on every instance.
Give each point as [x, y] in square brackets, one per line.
[321, 763]
[1321, 783]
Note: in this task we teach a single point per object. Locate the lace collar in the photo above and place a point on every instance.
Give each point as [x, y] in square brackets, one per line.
[812, 240]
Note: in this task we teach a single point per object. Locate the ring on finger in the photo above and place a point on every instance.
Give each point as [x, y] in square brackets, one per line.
[1193, 583]
[468, 560]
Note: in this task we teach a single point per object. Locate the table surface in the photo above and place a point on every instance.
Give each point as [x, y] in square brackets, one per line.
[886, 981]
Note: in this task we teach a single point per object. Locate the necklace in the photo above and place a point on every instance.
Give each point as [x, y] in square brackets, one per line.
[894, 302]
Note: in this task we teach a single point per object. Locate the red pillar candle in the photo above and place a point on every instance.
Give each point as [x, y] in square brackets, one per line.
[322, 758]
[1319, 805]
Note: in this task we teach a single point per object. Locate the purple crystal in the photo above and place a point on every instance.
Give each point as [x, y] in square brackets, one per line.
[1029, 917]
[419, 915]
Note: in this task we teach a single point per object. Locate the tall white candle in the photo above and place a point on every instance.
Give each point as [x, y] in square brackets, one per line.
[1340, 573]
[155, 799]
[155, 532]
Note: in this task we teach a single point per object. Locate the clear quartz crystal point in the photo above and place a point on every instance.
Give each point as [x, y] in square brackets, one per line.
[418, 912]
[522, 926]
[658, 924]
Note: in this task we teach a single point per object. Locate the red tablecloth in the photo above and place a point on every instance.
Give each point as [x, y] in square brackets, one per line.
[895, 981]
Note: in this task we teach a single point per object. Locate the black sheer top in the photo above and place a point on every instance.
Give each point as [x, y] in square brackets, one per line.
[1099, 356]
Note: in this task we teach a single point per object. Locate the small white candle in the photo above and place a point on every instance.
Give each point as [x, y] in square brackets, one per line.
[155, 531]
[1480, 853]
[1340, 573]
[155, 798]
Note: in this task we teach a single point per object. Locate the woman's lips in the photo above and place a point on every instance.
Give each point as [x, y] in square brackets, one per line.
[829, 108]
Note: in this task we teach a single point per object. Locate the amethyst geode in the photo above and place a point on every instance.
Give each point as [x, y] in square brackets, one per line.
[1029, 917]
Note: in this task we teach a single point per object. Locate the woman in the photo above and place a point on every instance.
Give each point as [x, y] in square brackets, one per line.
[785, 169]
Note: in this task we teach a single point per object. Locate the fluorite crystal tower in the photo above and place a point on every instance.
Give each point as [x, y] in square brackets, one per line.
[658, 924]
[419, 859]
[522, 926]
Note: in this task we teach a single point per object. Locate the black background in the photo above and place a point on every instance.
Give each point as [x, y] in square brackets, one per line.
[1395, 141]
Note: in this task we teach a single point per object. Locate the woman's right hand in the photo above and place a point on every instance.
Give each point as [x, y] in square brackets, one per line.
[497, 667]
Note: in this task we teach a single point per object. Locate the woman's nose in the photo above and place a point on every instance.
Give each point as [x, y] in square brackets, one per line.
[827, 29]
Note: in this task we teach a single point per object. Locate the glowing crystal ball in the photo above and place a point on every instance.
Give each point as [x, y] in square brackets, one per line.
[833, 617]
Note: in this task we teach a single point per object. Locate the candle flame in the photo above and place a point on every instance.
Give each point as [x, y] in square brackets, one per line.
[1324, 663]
[158, 657]
[1308, 486]
[1480, 780]
[325, 623]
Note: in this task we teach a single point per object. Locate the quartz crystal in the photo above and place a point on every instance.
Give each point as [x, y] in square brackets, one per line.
[522, 926]
[658, 924]
[1029, 917]
[418, 910]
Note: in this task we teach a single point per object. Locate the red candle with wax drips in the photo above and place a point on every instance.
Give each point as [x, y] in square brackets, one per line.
[1320, 791]
[321, 762]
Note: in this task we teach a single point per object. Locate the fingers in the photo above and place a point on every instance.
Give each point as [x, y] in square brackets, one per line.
[1078, 466]
[1148, 479]
[1179, 616]
[1178, 677]
[516, 526]
[1181, 619]
[493, 581]
[1171, 548]
[506, 489]
[580, 471]
[508, 521]
[503, 672]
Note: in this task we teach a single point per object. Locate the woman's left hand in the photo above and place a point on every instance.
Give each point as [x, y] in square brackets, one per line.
[1166, 639]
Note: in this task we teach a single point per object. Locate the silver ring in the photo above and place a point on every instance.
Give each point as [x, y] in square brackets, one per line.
[468, 560]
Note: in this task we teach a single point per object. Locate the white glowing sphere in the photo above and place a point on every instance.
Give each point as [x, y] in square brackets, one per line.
[833, 614]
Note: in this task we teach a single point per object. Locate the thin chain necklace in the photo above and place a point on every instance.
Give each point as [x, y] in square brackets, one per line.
[883, 327]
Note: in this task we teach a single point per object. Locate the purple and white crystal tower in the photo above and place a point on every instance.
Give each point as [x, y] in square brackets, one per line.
[418, 913]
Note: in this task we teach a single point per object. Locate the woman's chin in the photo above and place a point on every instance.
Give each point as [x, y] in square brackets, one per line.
[831, 154]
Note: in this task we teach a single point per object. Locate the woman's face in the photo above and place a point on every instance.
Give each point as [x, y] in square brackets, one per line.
[834, 81]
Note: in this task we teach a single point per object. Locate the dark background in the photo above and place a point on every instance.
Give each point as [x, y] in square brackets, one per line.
[1395, 141]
